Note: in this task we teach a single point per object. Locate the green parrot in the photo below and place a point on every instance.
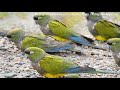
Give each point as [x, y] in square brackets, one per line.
[115, 48]
[102, 29]
[16, 35]
[61, 30]
[42, 20]
[48, 43]
[53, 66]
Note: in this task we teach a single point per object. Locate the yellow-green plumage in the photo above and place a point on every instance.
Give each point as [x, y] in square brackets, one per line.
[115, 47]
[102, 29]
[60, 29]
[107, 29]
[55, 64]
[51, 65]
[49, 44]
[60, 39]
[115, 44]
[31, 41]
[16, 35]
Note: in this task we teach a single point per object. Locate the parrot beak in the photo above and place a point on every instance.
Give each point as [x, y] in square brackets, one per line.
[109, 43]
[26, 56]
[9, 36]
[36, 19]
[26, 52]
[109, 48]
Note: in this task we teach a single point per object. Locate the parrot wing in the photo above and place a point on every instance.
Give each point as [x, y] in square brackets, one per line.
[80, 40]
[47, 43]
[107, 29]
[56, 65]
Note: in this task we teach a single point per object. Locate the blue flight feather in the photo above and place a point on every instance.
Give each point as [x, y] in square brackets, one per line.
[80, 70]
[57, 49]
[80, 40]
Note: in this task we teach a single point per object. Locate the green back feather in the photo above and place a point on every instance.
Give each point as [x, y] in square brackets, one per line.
[60, 29]
[30, 42]
[55, 64]
[107, 29]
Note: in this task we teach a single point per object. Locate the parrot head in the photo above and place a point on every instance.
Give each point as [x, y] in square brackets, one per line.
[42, 20]
[16, 35]
[114, 43]
[94, 16]
[34, 54]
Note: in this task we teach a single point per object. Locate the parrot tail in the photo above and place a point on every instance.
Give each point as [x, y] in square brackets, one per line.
[90, 70]
[98, 47]
[106, 72]
[82, 40]
[57, 49]
[81, 69]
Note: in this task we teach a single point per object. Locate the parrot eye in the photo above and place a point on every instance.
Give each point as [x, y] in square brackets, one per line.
[109, 43]
[9, 36]
[31, 52]
[27, 52]
[35, 18]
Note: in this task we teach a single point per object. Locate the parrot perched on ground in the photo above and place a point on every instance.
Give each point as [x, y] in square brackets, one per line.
[43, 21]
[102, 29]
[52, 66]
[16, 35]
[47, 43]
[115, 47]
[61, 30]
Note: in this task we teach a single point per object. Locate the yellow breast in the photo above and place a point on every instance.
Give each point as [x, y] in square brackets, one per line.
[100, 38]
[48, 75]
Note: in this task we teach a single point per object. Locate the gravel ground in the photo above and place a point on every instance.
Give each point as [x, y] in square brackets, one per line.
[14, 64]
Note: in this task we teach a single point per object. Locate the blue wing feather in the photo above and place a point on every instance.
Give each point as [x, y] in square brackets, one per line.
[57, 49]
[80, 40]
[80, 70]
